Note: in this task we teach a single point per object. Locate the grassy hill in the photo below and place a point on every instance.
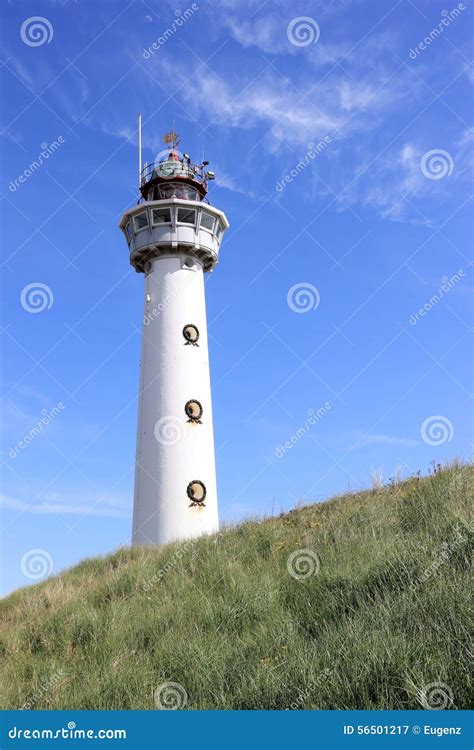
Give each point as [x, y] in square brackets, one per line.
[359, 602]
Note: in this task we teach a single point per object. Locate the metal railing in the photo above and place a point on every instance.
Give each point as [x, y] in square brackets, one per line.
[171, 168]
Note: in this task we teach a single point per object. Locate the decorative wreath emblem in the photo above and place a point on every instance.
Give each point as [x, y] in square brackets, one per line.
[197, 493]
[193, 411]
[191, 334]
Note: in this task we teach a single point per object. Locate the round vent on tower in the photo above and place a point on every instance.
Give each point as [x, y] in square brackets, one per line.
[191, 334]
[196, 493]
[193, 411]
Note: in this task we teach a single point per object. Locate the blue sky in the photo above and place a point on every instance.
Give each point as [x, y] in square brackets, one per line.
[322, 272]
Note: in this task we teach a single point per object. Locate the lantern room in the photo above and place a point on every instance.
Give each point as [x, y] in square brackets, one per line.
[174, 175]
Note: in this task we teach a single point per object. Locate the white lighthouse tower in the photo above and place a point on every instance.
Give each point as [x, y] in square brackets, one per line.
[174, 236]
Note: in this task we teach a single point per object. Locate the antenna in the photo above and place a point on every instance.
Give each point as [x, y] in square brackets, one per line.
[139, 149]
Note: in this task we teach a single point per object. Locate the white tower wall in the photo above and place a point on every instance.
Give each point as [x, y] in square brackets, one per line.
[172, 451]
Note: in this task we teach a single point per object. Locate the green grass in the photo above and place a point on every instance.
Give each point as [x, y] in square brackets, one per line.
[386, 615]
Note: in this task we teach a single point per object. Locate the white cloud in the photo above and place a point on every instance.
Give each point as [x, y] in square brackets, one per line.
[396, 186]
[108, 504]
[385, 440]
[269, 100]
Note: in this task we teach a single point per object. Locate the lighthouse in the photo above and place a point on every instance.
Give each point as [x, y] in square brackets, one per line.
[174, 235]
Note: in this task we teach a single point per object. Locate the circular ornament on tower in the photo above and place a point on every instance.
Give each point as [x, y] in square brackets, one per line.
[191, 334]
[193, 409]
[197, 493]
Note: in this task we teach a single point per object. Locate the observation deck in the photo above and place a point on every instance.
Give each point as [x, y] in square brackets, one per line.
[173, 216]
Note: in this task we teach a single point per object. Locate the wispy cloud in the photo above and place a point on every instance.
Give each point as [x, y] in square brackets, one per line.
[385, 440]
[106, 504]
[396, 184]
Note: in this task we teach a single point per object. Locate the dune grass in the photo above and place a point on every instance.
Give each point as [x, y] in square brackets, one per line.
[372, 614]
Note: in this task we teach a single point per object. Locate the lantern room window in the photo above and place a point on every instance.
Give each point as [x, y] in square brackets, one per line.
[207, 221]
[186, 216]
[161, 216]
[141, 221]
[128, 230]
[219, 230]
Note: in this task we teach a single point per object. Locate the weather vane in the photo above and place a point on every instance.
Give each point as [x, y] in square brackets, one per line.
[171, 137]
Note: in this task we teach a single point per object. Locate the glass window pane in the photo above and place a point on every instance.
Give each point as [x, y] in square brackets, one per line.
[128, 229]
[219, 231]
[161, 216]
[207, 221]
[141, 221]
[186, 216]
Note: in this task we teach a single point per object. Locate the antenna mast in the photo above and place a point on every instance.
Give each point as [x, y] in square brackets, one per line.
[139, 149]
